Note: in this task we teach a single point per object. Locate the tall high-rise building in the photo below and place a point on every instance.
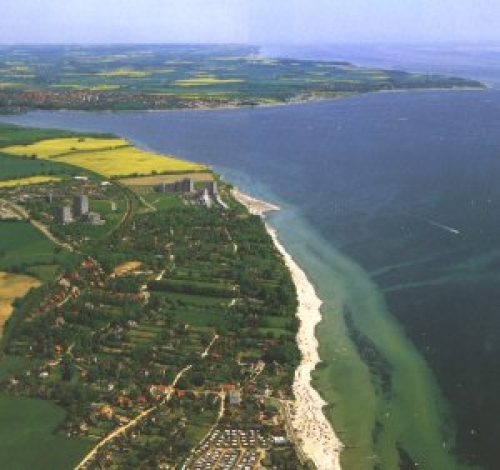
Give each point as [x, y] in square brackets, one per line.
[212, 187]
[187, 185]
[65, 216]
[80, 205]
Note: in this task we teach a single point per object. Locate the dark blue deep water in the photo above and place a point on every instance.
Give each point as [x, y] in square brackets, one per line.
[405, 184]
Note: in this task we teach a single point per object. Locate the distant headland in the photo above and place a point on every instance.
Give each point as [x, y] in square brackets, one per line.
[160, 77]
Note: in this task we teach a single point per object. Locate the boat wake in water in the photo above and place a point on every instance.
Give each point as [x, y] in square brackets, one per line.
[433, 222]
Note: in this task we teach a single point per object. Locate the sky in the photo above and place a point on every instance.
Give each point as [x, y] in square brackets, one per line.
[257, 22]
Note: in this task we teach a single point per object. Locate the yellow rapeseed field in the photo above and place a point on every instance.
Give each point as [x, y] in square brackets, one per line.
[107, 157]
[48, 149]
[126, 161]
[27, 181]
[206, 81]
[105, 87]
[9, 85]
[67, 86]
[123, 73]
[20, 68]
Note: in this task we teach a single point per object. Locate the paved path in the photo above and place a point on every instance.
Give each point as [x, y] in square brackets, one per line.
[20, 211]
[117, 432]
[214, 339]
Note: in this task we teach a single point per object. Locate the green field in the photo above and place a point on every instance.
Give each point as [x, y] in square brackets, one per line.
[182, 76]
[15, 167]
[28, 441]
[21, 243]
[103, 156]
[15, 135]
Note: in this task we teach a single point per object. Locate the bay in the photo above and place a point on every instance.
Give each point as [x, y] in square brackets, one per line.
[392, 206]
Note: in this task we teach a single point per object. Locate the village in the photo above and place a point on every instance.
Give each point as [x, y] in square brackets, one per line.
[159, 344]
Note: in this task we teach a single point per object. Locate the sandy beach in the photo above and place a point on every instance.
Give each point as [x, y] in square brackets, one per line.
[254, 206]
[312, 430]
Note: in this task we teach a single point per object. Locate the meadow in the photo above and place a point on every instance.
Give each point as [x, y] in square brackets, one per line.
[22, 244]
[15, 167]
[31, 427]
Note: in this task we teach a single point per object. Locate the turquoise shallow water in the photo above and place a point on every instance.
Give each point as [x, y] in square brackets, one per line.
[388, 399]
[411, 336]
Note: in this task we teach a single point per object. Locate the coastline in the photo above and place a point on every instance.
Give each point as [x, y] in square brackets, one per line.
[358, 399]
[227, 107]
[315, 435]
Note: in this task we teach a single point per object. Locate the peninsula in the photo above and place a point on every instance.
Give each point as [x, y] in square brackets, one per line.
[160, 328]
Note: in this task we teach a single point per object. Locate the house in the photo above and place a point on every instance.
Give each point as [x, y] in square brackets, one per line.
[94, 218]
[234, 397]
[123, 401]
[142, 400]
[227, 387]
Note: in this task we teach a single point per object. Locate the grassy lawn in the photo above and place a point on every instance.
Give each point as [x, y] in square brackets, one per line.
[26, 436]
[162, 202]
[200, 319]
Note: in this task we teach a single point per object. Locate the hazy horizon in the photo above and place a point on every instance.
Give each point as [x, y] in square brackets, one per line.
[493, 43]
[257, 22]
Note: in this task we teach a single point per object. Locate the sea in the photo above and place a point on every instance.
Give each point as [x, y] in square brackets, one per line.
[391, 205]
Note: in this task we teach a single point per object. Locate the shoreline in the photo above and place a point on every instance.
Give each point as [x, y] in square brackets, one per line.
[315, 435]
[254, 206]
[229, 107]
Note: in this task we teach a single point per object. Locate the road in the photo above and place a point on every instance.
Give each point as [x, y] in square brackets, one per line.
[117, 432]
[21, 212]
[214, 339]
[192, 454]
